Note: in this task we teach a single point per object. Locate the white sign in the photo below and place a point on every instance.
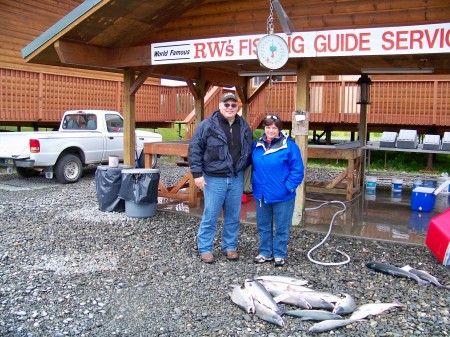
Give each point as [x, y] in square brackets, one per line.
[424, 39]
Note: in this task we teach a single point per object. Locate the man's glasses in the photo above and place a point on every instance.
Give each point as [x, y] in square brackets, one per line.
[272, 116]
[227, 105]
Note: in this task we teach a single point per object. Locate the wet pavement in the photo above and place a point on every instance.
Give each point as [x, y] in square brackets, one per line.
[376, 214]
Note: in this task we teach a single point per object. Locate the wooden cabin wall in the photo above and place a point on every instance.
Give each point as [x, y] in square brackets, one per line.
[22, 21]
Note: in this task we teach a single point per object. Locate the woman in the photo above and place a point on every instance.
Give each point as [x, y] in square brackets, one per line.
[277, 172]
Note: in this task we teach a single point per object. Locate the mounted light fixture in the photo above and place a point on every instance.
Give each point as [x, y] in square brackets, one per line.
[397, 70]
[364, 83]
[267, 73]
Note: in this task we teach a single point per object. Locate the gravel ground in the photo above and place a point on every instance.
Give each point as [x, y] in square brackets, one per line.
[68, 269]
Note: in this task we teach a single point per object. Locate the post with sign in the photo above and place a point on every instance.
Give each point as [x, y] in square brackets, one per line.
[300, 128]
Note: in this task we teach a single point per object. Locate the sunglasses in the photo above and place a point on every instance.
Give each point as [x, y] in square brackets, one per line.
[227, 105]
[272, 116]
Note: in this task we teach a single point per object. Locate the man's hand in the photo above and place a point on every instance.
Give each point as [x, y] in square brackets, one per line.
[200, 183]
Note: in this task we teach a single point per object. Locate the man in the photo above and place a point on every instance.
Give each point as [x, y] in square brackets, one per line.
[219, 152]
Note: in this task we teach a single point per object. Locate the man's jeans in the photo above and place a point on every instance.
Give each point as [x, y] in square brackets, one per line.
[221, 193]
[269, 215]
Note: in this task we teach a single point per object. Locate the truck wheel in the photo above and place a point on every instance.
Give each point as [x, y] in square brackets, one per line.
[26, 172]
[68, 169]
[142, 160]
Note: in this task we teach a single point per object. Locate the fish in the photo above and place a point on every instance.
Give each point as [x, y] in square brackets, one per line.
[282, 279]
[303, 299]
[270, 285]
[331, 324]
[395, 271]
[345, 305]
[425, 276]
[315, 301]
[260, 294]
[313, 315]
[267, 314]
[290, 298]
[243, 298]
[374, 309]
[327, 296]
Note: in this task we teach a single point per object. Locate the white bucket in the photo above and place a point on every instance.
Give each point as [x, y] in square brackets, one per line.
[113, 161]
[371, 182]
[397, 185]
[440, 181]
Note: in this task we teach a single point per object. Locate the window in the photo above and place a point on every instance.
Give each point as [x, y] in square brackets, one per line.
[114, 123]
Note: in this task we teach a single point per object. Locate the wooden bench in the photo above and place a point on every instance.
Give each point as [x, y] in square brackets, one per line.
[352, 173]
[185, 188]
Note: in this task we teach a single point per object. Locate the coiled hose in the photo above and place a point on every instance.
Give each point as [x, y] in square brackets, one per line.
[328, 234]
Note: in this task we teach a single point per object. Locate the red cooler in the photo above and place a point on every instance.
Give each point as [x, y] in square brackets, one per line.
[438, 237]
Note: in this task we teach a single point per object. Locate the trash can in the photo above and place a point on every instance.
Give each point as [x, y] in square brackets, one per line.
[139, 189]
[107, 184]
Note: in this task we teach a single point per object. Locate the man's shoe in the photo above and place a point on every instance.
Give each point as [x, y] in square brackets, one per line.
[207, 258]
[232, 255]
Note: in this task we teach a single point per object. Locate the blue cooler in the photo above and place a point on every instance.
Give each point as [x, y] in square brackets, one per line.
[423, 199]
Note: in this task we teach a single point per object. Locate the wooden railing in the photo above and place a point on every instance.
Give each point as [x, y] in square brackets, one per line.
[415, 103]
[28, 98]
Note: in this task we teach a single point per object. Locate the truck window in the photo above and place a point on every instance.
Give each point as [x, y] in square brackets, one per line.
[71, 122]
[114, 123]
[91, 122]
[74, 122]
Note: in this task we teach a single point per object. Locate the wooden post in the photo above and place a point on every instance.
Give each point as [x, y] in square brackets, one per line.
[362, 135]
[245, 105]
[129, 119]
[199, 104]
[301, 134]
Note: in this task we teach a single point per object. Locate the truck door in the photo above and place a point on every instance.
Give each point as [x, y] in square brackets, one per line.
[114, 136]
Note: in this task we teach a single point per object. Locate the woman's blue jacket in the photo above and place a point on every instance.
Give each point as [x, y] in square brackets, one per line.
[277, 169]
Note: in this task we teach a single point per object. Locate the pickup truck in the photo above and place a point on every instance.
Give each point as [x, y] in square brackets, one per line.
[84, 137]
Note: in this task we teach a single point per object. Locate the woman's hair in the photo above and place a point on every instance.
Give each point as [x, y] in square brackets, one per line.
[273, 119]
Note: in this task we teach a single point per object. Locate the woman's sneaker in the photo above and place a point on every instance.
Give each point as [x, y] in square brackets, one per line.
[261, 259]
[279, 262]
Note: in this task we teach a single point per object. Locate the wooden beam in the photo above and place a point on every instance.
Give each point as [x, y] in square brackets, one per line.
[199, 105]
[303, 78]
[140, 80]
[139, 56]
[129, 120]
[193, 89]
[186, 71]
[77, 53]
[81, 54]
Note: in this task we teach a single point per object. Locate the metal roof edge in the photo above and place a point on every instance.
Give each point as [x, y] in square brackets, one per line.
[67, 20]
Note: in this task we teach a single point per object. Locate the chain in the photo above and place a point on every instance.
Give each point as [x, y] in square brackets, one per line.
[270, 30]
[270, 19]
[270, 91]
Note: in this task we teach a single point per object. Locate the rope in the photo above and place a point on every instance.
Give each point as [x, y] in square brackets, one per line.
[327, 235]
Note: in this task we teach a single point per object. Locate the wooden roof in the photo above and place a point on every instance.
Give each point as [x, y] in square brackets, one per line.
[111, 35]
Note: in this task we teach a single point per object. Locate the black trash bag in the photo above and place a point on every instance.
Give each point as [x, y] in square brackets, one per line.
[140, 186]
[107, 184]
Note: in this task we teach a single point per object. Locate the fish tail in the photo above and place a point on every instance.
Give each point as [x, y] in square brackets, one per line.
[398, 303]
